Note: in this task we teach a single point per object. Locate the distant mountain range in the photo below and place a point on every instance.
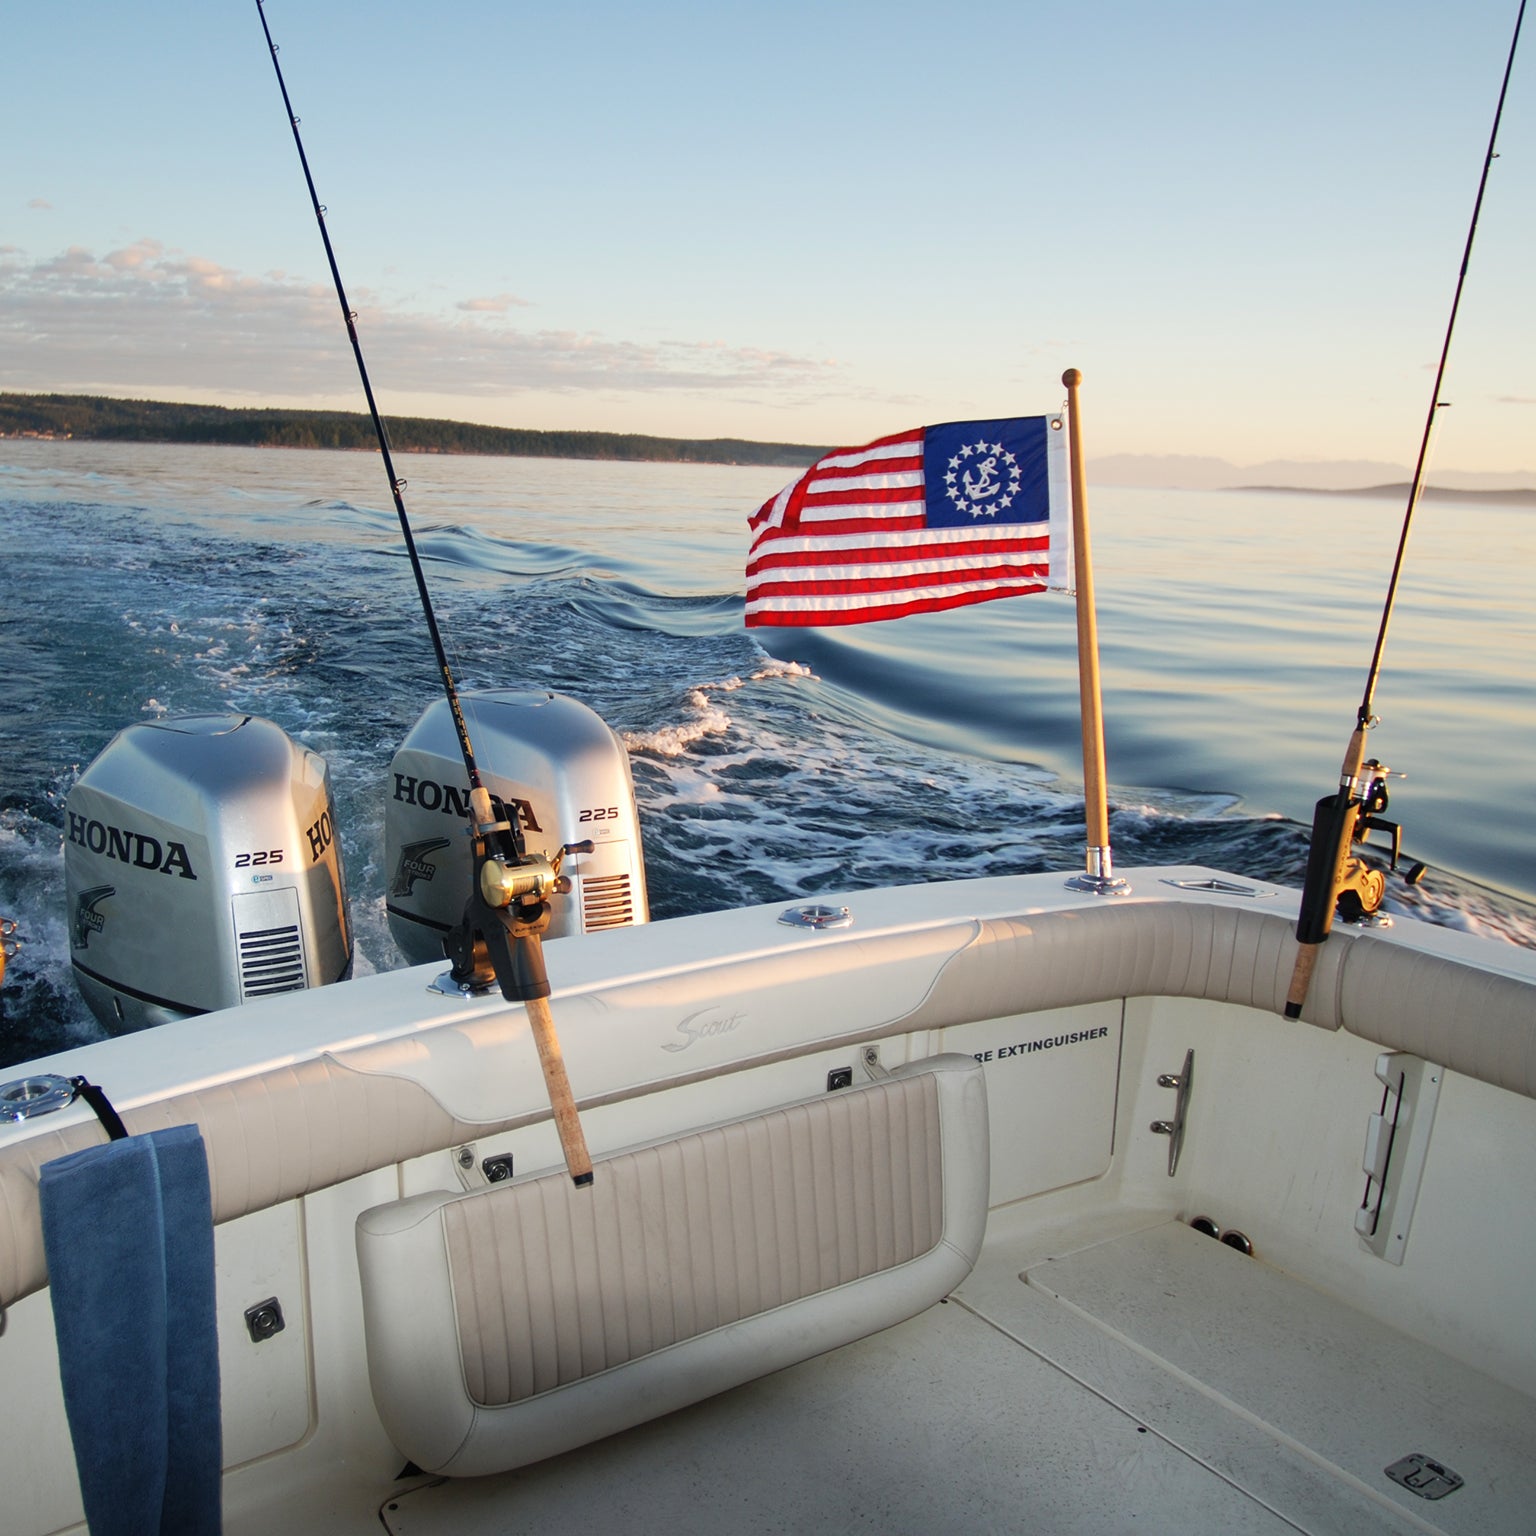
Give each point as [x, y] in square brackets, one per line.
[1367, 477]
[1519, 497]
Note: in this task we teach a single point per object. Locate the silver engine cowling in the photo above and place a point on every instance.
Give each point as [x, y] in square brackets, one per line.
[552, 760]
[203, 870]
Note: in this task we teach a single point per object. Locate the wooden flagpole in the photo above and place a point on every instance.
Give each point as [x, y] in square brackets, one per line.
[1098, 875]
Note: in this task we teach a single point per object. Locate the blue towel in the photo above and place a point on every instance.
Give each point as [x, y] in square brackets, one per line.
[128, 1231]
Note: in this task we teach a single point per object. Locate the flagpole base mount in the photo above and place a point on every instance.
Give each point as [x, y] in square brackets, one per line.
[1098, 877]
[1100, 885]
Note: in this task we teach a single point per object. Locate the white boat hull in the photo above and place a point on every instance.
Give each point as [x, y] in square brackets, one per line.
[318, 1106]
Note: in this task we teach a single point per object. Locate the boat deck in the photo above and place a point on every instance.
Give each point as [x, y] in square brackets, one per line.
[1109, 1372]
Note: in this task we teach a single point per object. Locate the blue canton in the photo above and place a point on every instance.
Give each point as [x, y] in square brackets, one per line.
[979, 473]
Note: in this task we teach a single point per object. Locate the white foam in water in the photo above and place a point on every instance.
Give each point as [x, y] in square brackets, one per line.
[1465, 907]
[773, 667]
[765, 807]
[48, 1013]
[706, 719]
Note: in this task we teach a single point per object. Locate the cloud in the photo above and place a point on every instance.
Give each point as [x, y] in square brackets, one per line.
[496, 304]
[40, 202]
[144, 317]
[139, 255]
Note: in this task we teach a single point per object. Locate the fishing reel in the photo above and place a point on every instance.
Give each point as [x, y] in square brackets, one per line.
[1339, 881]
[1341, 821]
[529, 883]
[499, 941]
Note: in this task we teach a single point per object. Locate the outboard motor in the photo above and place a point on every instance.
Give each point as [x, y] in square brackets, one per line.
[548, 759]
[203, 870]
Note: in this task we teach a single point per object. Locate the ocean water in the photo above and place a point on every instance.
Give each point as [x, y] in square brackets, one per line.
[1235, 629]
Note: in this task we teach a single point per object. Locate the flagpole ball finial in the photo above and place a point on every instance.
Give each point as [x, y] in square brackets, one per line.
[1072, 378]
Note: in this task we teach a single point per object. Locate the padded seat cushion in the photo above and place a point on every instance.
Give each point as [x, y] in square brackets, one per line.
[518, 1321]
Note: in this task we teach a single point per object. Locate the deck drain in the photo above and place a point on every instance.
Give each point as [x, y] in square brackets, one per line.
[1424, 1476]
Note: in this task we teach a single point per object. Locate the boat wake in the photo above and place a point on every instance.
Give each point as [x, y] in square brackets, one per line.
[758, 777]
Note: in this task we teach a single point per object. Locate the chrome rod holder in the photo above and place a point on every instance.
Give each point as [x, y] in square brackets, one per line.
[816, 917]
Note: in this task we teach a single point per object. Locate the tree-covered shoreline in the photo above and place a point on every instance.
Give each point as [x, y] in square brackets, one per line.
[99, 418]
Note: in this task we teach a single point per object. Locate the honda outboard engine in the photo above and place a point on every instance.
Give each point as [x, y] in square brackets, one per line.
[546, 758]
[202, 869]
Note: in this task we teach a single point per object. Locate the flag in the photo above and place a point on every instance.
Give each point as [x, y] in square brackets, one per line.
[935, 518]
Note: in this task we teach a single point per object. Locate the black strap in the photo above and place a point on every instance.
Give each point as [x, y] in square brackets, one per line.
[111, 1122]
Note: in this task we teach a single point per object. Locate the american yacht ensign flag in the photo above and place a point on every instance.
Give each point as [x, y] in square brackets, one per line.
[934, 518]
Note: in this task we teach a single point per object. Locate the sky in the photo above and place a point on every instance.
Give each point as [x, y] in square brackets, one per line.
[813, 223]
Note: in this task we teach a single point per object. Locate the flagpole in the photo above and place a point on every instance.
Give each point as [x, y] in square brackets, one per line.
[1098, 876]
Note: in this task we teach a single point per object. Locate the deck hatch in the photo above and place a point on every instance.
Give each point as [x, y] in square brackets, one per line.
[1424, 1476]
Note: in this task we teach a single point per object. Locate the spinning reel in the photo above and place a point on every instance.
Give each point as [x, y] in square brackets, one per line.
[1339, 823]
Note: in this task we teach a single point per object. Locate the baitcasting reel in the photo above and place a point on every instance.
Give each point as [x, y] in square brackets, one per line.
[498, 941]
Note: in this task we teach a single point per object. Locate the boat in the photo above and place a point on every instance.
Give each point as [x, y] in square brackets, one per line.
[981, 1205]
[1018, 1203]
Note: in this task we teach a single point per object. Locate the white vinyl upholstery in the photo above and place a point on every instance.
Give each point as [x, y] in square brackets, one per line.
[283, 1131]
[518, 1321]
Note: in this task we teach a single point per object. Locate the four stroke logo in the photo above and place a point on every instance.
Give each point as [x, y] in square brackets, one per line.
[414, 864]
[87, 919]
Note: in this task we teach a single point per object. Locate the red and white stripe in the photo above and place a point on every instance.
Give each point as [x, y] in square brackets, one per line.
[849, 542]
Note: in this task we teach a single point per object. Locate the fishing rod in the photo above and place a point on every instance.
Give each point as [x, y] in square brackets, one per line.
[396, 484]
[508, 907]
[1337, 881]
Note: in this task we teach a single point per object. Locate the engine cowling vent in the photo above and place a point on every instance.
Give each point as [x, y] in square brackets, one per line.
[607, 901]
[271, 944]
[271, 960]
[546, 758]
[202, 870]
